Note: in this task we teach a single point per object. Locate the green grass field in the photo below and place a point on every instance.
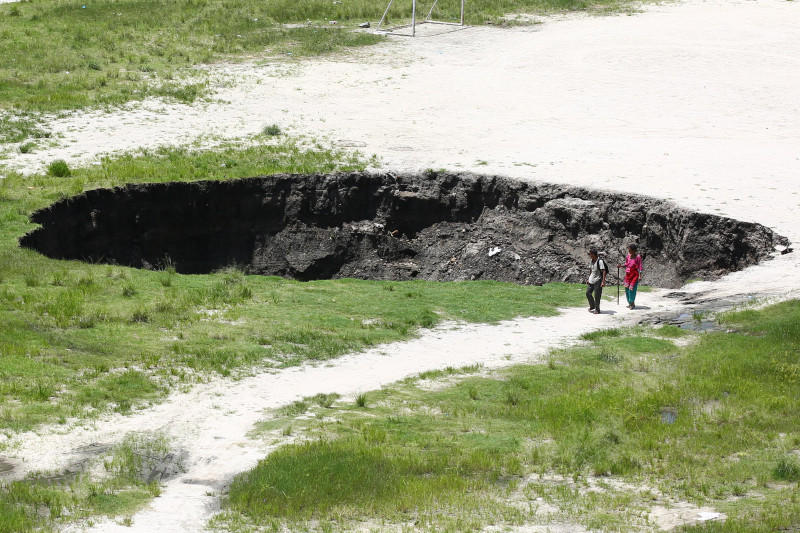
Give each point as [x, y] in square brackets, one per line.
[711, 424]
[63, 55]
[172, 329]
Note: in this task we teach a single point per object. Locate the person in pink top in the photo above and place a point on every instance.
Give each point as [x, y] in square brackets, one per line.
[633, 271]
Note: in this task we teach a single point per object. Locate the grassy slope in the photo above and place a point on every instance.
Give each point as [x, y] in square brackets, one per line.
[66, 55]
[79, 339]
[170, 329]
[453, 459]
[61, 54]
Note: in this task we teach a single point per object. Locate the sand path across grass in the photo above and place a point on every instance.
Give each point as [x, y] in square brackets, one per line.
[210, 424]
[693, 102]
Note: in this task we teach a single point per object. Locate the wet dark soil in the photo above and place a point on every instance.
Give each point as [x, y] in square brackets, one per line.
[6, 468]
[153, 467]
[433, 226]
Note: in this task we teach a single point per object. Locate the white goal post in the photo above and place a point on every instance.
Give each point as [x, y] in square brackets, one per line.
[414, 22]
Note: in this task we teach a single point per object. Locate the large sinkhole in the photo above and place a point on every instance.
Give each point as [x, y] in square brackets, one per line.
[433, 226]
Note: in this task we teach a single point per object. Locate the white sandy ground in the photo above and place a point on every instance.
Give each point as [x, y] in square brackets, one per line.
[694, 102]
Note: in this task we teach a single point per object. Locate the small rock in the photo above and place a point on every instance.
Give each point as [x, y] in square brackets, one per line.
[364, 25]
[494, 251]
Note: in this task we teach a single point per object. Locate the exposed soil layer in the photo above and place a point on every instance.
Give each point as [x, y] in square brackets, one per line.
[434, 226]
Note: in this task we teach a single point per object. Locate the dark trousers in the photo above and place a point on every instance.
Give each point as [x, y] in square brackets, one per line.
[597, 290]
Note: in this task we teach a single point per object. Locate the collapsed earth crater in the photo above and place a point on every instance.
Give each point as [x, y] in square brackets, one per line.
[433, 226]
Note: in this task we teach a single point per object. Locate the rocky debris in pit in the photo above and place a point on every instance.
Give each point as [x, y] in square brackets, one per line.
[434, 226]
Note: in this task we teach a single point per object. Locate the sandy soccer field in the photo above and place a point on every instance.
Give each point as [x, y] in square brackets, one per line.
[694, 102]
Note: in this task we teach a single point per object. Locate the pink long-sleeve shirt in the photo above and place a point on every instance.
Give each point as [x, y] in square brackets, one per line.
[633, 268]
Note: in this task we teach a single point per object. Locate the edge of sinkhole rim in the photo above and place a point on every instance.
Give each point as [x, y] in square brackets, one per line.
[393, 226]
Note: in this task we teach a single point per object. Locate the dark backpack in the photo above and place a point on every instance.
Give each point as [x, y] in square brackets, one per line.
[603, 264]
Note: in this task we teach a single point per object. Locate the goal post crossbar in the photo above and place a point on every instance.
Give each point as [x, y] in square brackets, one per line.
[414, 22]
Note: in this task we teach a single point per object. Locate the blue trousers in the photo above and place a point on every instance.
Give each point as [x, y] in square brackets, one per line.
[630, 294]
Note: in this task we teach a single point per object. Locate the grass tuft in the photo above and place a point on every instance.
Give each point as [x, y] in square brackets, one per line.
[602, 334]
[129, 290]
[59, 169]
[272, 130]
[788, 468]
[140, 314]
[27, 148]
[325, 400]
[295, 408]
[361, 400]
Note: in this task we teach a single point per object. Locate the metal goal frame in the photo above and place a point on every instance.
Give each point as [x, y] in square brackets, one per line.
[414, 22]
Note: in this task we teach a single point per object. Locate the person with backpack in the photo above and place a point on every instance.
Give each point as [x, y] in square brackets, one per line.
[596, 281]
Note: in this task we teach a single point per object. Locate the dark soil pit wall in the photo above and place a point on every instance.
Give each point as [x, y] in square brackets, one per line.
[435, 226]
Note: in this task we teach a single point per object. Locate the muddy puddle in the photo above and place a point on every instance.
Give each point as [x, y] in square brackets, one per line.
[6, 468]
[153, 467]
